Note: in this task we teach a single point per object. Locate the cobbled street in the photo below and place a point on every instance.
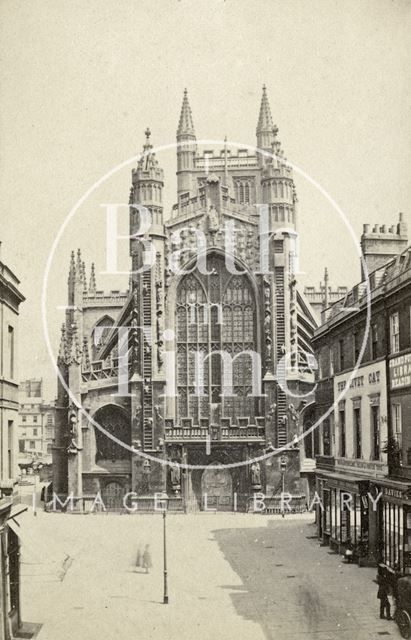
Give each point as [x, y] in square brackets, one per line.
[230, 576]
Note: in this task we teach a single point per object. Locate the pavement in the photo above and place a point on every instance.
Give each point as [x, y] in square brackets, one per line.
[230, 576]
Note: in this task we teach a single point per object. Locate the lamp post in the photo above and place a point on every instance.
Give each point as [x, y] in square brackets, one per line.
[165, 594]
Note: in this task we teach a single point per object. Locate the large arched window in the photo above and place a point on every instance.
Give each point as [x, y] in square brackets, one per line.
[215, 313]
[115, 421]
[99, 335]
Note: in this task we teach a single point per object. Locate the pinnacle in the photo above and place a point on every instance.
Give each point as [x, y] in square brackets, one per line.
[265, 121]
[185, 124]
[92, 285]
[72, 269]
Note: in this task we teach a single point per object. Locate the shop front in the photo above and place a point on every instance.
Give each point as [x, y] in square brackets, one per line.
[394, 516]
[344, 515]
[11, 625]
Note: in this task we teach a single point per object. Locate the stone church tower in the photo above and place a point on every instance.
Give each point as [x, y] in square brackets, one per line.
[222, 371]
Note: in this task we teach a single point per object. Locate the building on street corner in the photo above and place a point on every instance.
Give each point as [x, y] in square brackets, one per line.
[363, 471]
[10, 300]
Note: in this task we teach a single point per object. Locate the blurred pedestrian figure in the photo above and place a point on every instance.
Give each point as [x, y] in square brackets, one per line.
[147, 564]
[382, 595]
[349, 552]
[139, 559]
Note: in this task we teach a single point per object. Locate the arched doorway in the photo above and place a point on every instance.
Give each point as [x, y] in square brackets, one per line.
[112, 496]
[109, 450]
[217, 489]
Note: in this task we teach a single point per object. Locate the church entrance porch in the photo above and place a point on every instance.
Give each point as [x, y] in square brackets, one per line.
[113, 495]
[217, 489]
[220, 481]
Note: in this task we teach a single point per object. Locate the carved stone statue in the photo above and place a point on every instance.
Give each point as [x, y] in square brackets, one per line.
[256, 474]
[157, 412]
[73, 447]
[213, 221]
[175, 477]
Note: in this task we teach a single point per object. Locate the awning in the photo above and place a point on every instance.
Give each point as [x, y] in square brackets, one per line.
[350, 482]
[16, 511]
[398, 491]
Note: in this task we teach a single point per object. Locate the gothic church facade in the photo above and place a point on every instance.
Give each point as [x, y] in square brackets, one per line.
[222, 293]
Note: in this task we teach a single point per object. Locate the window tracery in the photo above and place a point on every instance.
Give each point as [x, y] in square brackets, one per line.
[215, 313]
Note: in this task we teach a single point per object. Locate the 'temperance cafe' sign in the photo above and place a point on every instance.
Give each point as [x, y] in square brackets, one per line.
[400, 371]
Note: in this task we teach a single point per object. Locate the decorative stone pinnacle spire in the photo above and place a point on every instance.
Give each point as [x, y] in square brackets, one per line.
[92, 286]
[83, 275]
[85, 355]
[147, 144]
[63, 345]
[185, 124]
[79, 266]
[265, 121]
[72, 270]
[75, 348]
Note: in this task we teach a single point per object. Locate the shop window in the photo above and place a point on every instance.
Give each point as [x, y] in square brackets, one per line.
[394, 333]
[393, 544]
[13, 553]
[343, 444]
[375, 432]
[333, 515]
[327, 512]
[346, 507]
[356, 520]
[337, 516]
[357, 433]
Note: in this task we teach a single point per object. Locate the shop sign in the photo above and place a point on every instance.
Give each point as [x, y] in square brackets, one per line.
[389, 492]
[369, 379]
[400, 371]
[398, 494]
[374, 467]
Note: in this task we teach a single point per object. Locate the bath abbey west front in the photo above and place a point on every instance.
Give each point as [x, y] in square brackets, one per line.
[221, 293]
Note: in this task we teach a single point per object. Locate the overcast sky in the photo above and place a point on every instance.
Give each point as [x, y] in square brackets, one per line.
[80, 81]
